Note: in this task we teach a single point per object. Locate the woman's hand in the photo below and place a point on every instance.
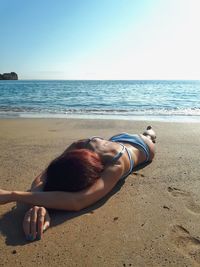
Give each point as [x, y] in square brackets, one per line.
[5, 197]
[36, 221]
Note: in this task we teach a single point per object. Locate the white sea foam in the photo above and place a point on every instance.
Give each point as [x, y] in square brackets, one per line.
[110, 116]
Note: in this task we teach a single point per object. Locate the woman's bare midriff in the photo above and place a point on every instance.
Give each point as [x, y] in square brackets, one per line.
[138, 155]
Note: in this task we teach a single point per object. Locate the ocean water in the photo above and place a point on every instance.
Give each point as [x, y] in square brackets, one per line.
[135, 100]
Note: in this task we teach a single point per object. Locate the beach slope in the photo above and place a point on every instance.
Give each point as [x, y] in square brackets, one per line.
[152, 219]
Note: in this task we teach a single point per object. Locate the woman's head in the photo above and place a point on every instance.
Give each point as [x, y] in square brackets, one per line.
[73, 171]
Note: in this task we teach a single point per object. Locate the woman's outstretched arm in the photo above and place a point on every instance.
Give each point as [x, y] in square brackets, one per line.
[73, 201]
[52, 200]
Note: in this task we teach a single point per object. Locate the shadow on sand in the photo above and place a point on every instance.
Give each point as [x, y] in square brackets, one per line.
[11, 221]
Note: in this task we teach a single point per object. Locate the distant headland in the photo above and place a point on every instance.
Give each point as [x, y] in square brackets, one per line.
[9, 76]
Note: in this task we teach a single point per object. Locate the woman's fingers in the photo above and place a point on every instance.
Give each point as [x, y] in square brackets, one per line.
[47, 222]
[34, 217]
[26, 224]
[41, 221]
[36, 221]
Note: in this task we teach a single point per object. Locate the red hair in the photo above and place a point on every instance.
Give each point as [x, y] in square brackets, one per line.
[73, 171]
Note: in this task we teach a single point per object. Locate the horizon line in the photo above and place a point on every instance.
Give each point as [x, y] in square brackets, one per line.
[106, 80]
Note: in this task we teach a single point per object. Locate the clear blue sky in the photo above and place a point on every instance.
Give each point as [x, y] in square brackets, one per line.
[100, 39]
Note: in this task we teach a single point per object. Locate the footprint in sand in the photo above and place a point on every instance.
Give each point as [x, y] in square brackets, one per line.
[186, 197]
[185, 242]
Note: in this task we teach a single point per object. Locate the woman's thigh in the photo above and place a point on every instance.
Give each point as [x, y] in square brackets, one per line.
[150, 144]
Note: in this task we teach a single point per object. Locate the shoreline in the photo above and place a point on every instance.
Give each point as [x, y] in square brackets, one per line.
[125, 117]
[150, 220]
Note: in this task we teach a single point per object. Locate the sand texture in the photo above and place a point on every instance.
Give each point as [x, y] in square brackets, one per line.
[152, 219]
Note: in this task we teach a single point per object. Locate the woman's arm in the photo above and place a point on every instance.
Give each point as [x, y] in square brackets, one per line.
[101, 188]
[73, 201]
[51, 200]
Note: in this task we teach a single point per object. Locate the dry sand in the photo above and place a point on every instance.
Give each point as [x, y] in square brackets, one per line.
[150, 220]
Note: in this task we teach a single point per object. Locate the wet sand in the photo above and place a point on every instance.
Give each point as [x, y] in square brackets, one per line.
[152, 219]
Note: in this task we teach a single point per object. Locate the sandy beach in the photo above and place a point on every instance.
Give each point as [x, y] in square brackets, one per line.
[152, 219]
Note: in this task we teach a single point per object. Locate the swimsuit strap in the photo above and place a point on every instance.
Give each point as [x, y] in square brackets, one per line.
[124, 148]
[119, 154]
[131, 164]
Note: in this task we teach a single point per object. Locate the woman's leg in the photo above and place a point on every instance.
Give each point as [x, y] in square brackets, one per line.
[150, 133]
[149, 137]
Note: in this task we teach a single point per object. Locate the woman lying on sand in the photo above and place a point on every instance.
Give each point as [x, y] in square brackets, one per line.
[84, 173]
